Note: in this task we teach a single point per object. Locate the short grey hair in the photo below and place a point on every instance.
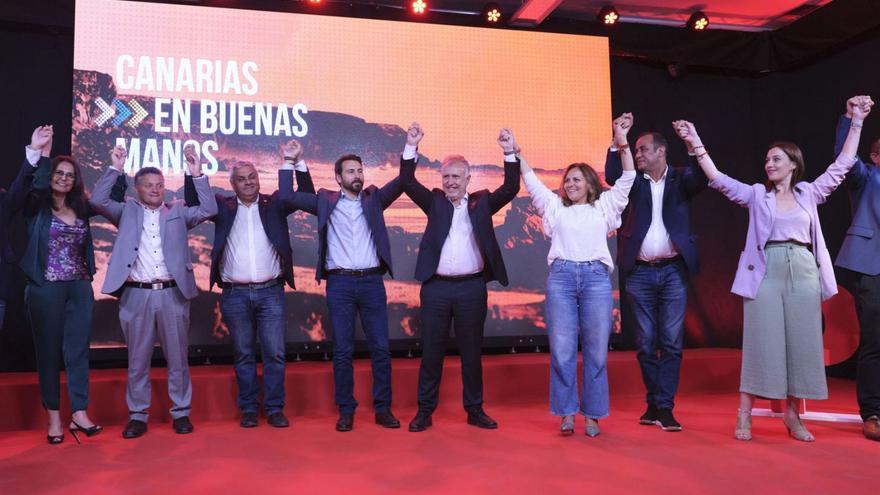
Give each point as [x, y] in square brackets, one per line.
[239, 164]
[456, 160]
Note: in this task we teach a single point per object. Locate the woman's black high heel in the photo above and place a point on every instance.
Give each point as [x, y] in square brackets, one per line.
[55, 439]
[74, 427]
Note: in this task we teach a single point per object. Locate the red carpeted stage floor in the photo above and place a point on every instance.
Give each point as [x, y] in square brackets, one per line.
[525, 455]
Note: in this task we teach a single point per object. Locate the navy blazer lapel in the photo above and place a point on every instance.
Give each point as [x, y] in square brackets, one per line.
[669, 183]
[366, 202]
[326, 204]
[334, 198]
[263, 205]
[448, 212]
[647, 197]
[473, 200]
[232, 205]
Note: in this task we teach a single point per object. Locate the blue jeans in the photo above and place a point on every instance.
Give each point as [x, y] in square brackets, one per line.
[347, 298]
[578, 305]
[248, 313]
[657, 297]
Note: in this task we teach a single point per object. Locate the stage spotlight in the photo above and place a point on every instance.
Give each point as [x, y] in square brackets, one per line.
[315, 2]
[418, 7]
[698, 21]
[608, 16]
[492, 13]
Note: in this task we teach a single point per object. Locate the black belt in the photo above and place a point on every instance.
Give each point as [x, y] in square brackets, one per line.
[258, 285]
[162, 284]
[378, 270]
[790, 241]
[457, 278]
[659, 263]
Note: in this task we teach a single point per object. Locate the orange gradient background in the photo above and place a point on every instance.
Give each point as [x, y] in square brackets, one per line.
[462, 84]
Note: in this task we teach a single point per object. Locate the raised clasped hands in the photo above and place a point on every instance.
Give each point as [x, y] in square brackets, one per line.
[192, 160]
[117, 157]
[620, 127]
[414, 134]
[41, 139]
[688, 133]
[292, 150]
[858, 107]
[507, 141]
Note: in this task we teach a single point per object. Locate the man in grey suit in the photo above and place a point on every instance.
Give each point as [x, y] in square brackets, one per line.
[151, 270]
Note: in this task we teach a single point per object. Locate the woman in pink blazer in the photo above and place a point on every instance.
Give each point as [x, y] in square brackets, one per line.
[784, 274]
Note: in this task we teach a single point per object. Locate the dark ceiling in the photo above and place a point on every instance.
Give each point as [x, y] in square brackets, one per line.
[746, 36]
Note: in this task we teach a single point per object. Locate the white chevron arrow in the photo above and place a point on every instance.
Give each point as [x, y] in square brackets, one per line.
[106, 112]
[138, 114]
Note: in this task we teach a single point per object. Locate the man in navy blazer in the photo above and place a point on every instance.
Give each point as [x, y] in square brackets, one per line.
[656, 254]
[251, 261]
[353, 254]
[458, 256]
[859, 255]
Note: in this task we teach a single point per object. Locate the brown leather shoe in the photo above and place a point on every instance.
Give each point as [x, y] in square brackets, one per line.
[871, 428]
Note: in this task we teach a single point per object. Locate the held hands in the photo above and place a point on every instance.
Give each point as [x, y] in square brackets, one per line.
[507, 142]
[620, 127]
[41, 139]
[414, 134]
[192, 160]
[688, 133]
[292, 150]
[858, 108]
[117, 157]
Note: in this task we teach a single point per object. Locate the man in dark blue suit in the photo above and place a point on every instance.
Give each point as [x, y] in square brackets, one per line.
[251, 261]
[859, 255]
[354, 252]
[656, 254]
[458, 256]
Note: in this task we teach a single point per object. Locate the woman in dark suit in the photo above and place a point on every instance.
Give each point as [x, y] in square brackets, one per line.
[59, 263]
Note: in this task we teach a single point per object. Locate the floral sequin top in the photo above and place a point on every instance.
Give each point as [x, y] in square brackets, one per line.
[66, 258]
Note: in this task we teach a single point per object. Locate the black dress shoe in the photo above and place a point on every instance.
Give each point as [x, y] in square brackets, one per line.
[387, 420]
[421, 422]
[248, 420]
[134, 429]
[345, 422]
[666, 421]
[278, 420]
[479, 418]
[182, 425]
[650, 416]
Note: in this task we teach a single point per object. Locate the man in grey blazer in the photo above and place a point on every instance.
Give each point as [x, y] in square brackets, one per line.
[151, 270]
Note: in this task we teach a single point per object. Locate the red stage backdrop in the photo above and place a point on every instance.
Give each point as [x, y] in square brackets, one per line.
[240, 83]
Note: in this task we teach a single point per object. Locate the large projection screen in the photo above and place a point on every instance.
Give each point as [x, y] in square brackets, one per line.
[240, 83]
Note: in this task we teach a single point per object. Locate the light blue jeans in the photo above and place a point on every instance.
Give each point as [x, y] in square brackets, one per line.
[578, 305]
